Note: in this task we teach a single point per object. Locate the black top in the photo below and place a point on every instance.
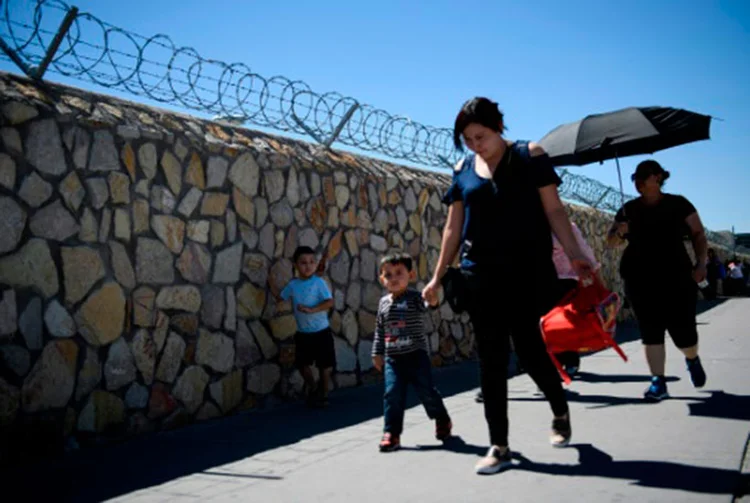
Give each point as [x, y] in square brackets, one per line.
[504, 218]
[506, 240]
[656, 239]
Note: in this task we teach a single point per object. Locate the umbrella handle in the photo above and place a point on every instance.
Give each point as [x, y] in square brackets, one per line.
[619, 177]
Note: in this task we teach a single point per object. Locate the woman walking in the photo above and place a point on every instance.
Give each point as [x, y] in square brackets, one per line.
[661, 281]
[503, 205]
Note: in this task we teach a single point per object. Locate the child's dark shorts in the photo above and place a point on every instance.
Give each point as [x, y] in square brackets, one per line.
[314, 348]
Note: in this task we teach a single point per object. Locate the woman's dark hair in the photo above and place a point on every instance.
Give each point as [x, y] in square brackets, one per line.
[302, 250]
[648, 168]
[480, 111]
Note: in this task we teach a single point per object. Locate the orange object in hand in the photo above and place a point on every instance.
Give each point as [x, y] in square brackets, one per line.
[583, 321]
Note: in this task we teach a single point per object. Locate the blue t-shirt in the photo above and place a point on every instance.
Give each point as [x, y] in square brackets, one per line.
[308, 292]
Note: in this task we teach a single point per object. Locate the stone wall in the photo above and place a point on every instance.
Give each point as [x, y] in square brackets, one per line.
[135, 251]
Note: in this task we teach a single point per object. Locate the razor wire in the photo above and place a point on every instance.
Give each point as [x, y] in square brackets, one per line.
[51, 35]
[158, 69]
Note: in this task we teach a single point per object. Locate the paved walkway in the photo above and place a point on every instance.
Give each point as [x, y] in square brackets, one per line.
[685, 449]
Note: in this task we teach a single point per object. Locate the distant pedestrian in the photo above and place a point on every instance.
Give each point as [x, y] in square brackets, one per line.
[714, 273]
[736, 279]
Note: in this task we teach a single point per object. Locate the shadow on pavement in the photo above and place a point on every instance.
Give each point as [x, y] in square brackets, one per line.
[718, 404]
[596, 401]
[707, 305]
[616, 378]
[594, 462]
[454, 444]
[100, 473]
[722, 405]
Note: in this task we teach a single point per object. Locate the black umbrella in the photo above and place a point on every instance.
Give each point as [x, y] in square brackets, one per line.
[630, 131]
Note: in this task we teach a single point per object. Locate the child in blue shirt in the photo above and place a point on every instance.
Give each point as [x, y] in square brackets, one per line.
[311, 300]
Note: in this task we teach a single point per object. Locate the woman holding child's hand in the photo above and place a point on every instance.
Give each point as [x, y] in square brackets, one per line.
[503, 206]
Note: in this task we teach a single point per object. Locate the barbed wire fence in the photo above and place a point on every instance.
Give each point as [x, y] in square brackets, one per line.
[49, 35]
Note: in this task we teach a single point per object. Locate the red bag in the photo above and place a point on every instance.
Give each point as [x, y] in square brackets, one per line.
[583, 321]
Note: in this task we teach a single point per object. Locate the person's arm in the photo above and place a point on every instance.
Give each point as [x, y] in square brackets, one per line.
[560, 225]
[378, 342]
[700, 245]
[279, 295]
[557, 216]
[324, 305]
[554, 209]
[616, 234]
[618, 230]
[448, 249]
[451, 238]
[586, 248]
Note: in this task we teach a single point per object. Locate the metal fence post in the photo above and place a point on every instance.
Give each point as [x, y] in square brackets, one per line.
[601, 198]
[52, 49]
[15, 58]
[344, 120]
[307, 129]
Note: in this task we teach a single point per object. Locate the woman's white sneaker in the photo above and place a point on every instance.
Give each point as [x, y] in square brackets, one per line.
[494, 461]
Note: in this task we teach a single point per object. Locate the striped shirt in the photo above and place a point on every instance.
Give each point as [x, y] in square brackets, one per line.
[400, 325]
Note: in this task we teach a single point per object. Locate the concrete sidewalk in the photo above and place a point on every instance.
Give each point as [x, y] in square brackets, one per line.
[688, 448]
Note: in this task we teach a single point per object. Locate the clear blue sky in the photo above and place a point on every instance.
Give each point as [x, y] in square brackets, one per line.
[546, 62]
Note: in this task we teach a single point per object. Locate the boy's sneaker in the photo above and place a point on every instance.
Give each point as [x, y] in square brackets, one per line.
[657, 391]
[493, 461]
[389, 443]
[443, 428]
[697, 374]
[561, 432]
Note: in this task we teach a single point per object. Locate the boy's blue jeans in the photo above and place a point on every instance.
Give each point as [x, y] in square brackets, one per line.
[400, 371]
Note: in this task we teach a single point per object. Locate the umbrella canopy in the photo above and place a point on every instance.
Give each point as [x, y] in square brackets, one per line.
[630, 131]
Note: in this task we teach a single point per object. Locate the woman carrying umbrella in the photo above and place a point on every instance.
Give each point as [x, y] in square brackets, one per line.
[502, 206]
[660, 279]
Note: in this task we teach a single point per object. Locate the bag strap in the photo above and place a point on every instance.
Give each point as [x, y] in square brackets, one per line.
[522, 149]
[610, 341]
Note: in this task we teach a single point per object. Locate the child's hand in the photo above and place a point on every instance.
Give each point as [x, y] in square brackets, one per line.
[583, 268]
[377, 362]
[304, 309]
[272, 288]
[622, 229]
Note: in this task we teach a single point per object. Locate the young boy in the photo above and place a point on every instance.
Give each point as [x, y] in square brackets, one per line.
[400, 346]
[311, 300]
